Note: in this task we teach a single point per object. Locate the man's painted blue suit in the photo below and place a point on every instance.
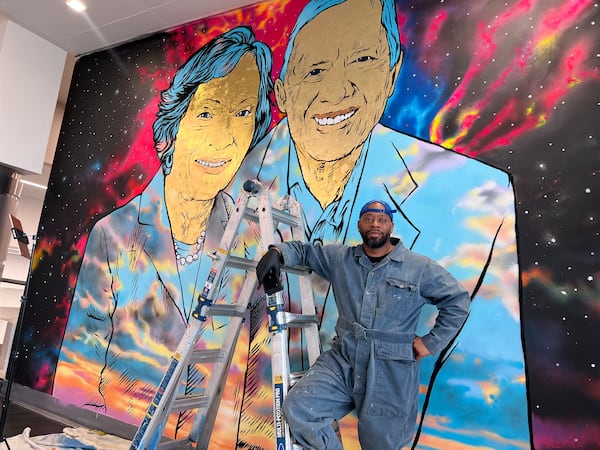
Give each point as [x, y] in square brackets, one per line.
[454, 209]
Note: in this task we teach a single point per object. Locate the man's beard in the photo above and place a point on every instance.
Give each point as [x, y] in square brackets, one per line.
[374, 242]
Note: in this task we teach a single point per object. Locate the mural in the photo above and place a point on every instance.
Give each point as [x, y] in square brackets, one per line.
[332, 155]
[132, 301]
[437, 107]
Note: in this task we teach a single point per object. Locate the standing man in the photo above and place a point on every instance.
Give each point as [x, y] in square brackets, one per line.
[380, 288]
[331, 153]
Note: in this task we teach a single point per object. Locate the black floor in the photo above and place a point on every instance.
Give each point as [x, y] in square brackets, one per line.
[19, 417]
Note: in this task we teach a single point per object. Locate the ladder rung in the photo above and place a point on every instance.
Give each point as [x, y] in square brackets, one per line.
[285, 218]
[294, 377]
[300, 320]
[176, 444]
[251, 214]
[207, 356]
[296, 270]
[226, 310]
[187, 402]
[240, 263]
[278, 216]
[248, 264]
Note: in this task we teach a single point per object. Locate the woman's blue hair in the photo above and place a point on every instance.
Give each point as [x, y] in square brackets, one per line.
[315, 7]
[215, 59]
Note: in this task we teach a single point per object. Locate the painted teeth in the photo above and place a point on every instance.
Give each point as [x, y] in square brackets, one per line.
[210, 164]
[334, 120]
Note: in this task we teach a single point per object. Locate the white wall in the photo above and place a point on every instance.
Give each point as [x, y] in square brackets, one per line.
[31, 70]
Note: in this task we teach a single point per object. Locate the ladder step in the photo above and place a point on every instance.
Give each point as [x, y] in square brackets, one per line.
[226, 310]
[187, 402]
[207, 356]
[250, 265]
[296, 270]
[300, 320]
[278, 216]
[285, 218]
[176, 444]
[240, 263]
[294, 377]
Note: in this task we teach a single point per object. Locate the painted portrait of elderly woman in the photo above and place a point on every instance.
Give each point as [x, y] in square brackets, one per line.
[143, 262]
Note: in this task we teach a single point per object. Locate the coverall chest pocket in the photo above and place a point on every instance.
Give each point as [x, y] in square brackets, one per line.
[398, 299]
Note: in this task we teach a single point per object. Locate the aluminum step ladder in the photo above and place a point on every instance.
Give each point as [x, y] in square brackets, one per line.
[205, 404]
[281, 321]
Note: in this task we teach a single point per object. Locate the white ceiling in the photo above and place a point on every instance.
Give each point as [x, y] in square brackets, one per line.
[108, 22]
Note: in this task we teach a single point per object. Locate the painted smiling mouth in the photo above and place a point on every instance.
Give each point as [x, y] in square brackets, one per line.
[211, 164]
[331, 119]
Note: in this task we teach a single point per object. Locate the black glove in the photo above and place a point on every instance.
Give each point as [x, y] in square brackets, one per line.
[268, 271]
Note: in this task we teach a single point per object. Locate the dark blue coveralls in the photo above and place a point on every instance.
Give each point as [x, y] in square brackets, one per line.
[371, 365]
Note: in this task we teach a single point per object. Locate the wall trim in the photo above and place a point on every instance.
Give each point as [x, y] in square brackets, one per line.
[48, 406]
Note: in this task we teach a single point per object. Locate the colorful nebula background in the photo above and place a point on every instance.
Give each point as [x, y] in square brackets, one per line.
[514, 83]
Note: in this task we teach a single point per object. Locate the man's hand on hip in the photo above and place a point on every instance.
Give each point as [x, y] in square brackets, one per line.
[419, 349]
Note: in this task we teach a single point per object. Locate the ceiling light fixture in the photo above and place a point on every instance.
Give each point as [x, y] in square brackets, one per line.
[76, 5]
[31, 183]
